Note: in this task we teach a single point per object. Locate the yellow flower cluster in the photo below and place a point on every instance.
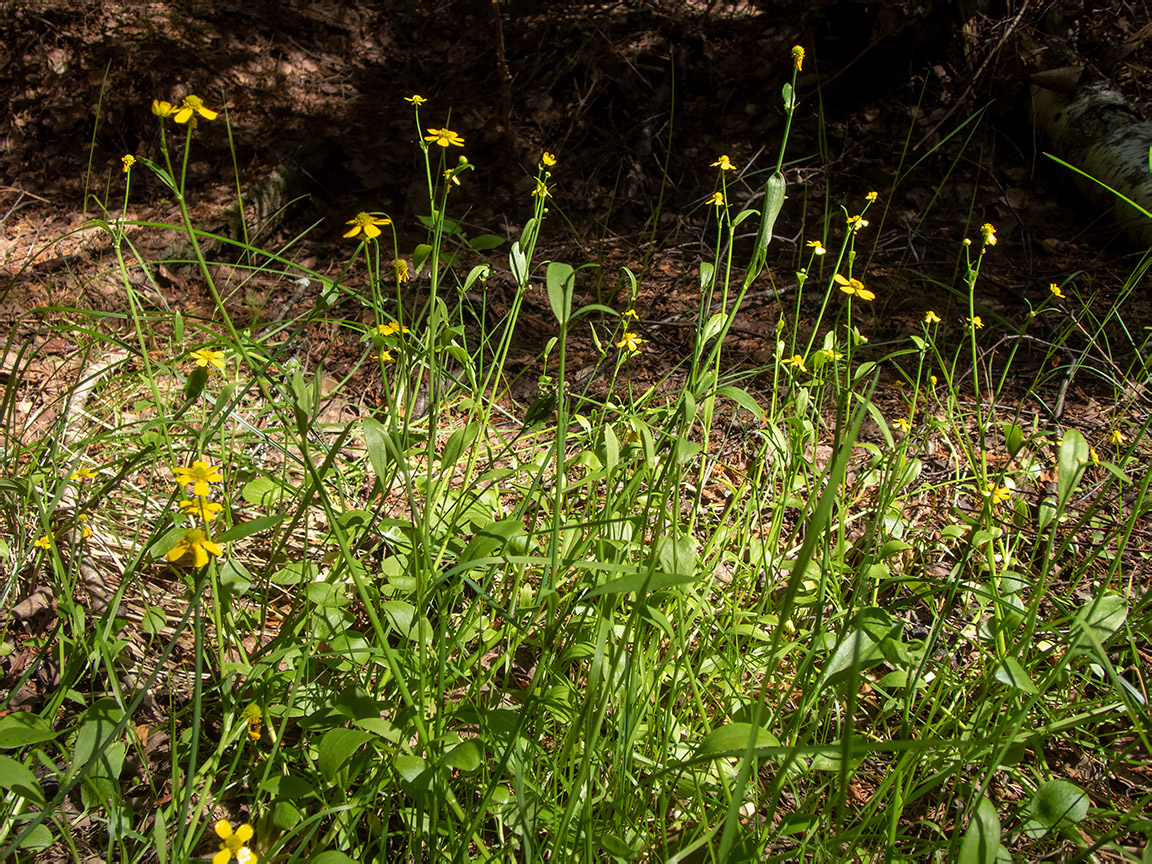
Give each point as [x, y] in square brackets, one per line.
[199, 475]
[189, 109]
[366, 223]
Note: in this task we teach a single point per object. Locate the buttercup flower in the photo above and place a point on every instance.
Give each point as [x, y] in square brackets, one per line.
[198, 475]
[415, 99]
[451, 177]
[988, 232]
[254, 718]
[998, 494]
[85, 531]
[385, 356]
[974, 322]
[855, 223]
[201, 508]
[390, 328]
[84, 473]
[234, 844]
[43, 542]
[902, 423]
[367, 223]
[630, 342]
[204, 358]
[931, 317]
[196, 542]
[870, 197]
[717, 199]
[932, 380]
[1056, 292]
[817, 247]
[724, 164]
[401, 271]
[548, 159]
[854, 287]
[191, 106]
[1094, 456]
[631, 313]
[541, 190]
[444, 137]
[797, 58]
[829, 354]
[162, 109]
[128, 161]
[796, 362]
[1117, 437]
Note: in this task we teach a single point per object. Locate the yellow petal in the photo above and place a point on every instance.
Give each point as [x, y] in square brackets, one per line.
[371, 231]
[207, 114]
[353, 232]
[201, 557]
[244, 833]
[223, 829]
[222, 857]
[183, 115]
[175, 554]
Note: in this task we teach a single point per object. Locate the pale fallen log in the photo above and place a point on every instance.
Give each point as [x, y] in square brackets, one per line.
[1092, 128]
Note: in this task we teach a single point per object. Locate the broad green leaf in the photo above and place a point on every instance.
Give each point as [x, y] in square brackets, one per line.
[465, 756]
[381, 449]
[337, 747]
[982, 839]
[16, 778]
[459, 442]
[262, 492]
[560, 280]
[676, 557]
[1104, 618]
[518, 264]
[39, 837]
[420, 257]
[1057, 803]
[1072, 459]
[332, 856]
[252, 526]
[773, 202]
[485, 242]
[480, 271]
[744, 399]
[861, 647]
[714, 326]
[21, 728]
[707, 272]
[1013, 438]
[733, 738]
[1010, 672]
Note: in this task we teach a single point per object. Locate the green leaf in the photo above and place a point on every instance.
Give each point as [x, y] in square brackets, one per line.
[707, 273]
[39, 837]
[1013, 438]
[194, 385]
[1058, 802]
[336, 748]
[22, 728]
[744, 399]
[262, 492]
[733, 738]
[560, 280]
[518, 264]
[459, 442]
[252, 526]
[485, 242]
[420, 257]
[676, 557]
[332, 856]
[19, 780]
[1103, 618]
[381, 449]
[1072, 459]
[861, 647]
[480, 271]
[773, 202]
[465, 756]
[1010, 672]
[982, 839]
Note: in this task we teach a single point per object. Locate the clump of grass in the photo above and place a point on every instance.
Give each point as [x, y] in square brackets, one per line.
[447, 631]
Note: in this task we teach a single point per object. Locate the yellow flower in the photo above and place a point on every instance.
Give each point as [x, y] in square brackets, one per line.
[415, 99]
[1056, 292]
[828, 354]
[451, 177]
[855, 223]
[201, 508]
[84, 473]
[128, 161]
[998, 494]
[44, 542]
[234, 844]
[385, 356]
[902, 423]
[717, 199]
[541, 190]
[854, 287]
[975, 322]
[198, 475]
[254, 718]
[191, 106]
[390, 328]
[204, 358]
[796, 362]
[548, 159]
[367, 223]
[724, 164]
[870, 197]
[932, 380]
[401, 271]
[198, 543]
[85, 531]
[817, 247]
[444, 137]
[931, 317]
[988, 232]
[1117, 437]
[162, 109]
[1095, 456]
[797, 57]
[631, 313]
[630, 342]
